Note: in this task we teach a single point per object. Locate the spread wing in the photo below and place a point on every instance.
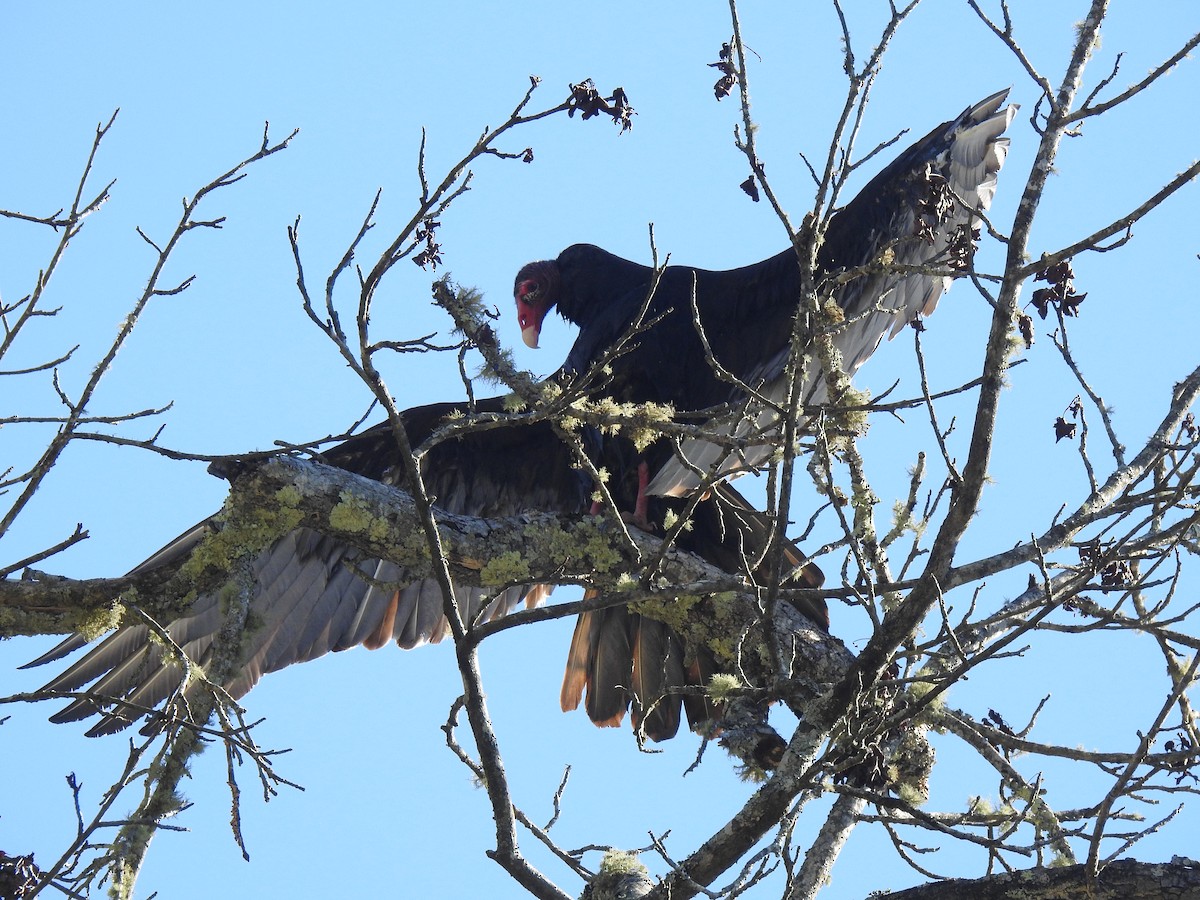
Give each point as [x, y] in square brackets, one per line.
[315, 594]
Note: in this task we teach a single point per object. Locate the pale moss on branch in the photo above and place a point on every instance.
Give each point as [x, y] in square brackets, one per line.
[850, 416]
[1015, 342]
[863, 499]
[722, 687]
[618, 862]
[922, 685]
[903, 520]
[980, 806]
[640, 422]
[101, 621]
[625, 582]
[834, 315]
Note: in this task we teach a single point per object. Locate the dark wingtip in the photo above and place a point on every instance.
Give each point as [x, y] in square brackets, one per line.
[57, 652]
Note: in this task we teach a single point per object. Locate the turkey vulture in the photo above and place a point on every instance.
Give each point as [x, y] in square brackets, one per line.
[315, 594]
[918, 211]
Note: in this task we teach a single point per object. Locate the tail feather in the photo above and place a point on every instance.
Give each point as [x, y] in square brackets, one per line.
[611, 668]
[575, 678]
[700, 708]
[657, 671]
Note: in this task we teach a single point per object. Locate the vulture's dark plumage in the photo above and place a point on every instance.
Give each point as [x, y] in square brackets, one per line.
[316, 594]
[918, 211]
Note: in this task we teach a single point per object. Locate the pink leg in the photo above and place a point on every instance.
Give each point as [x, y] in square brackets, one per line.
[640, 506]
[640, 514]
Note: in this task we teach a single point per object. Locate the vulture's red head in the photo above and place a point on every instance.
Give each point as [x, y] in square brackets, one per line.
[536, 292]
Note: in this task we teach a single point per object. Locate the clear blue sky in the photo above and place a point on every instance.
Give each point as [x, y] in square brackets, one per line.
[387, 808]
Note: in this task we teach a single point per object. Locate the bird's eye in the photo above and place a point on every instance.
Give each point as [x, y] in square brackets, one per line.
[528, 291]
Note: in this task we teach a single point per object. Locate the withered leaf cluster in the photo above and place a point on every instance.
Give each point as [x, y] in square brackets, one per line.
[995, 720]
[961, 250]
[585, 98]
[935, 201]
[1183, 767]
[431, 255]
[935, 204]
[1025, 325]
[1189, 426]
[1064, 428]
[18, 876]
[1117, 573]
[1061, 293]
[728, 80]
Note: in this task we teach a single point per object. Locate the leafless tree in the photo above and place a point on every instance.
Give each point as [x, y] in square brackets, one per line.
[1116, 561]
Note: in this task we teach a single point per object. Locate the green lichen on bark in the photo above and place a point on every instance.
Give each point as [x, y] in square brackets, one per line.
[95, 613]
[911, 766]
[102, 621]
[672, 610]
[505, 568]
[585, 545]
[357, 517]
[715, 630]
[19, 622]
[726, 640]
[246, 527]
